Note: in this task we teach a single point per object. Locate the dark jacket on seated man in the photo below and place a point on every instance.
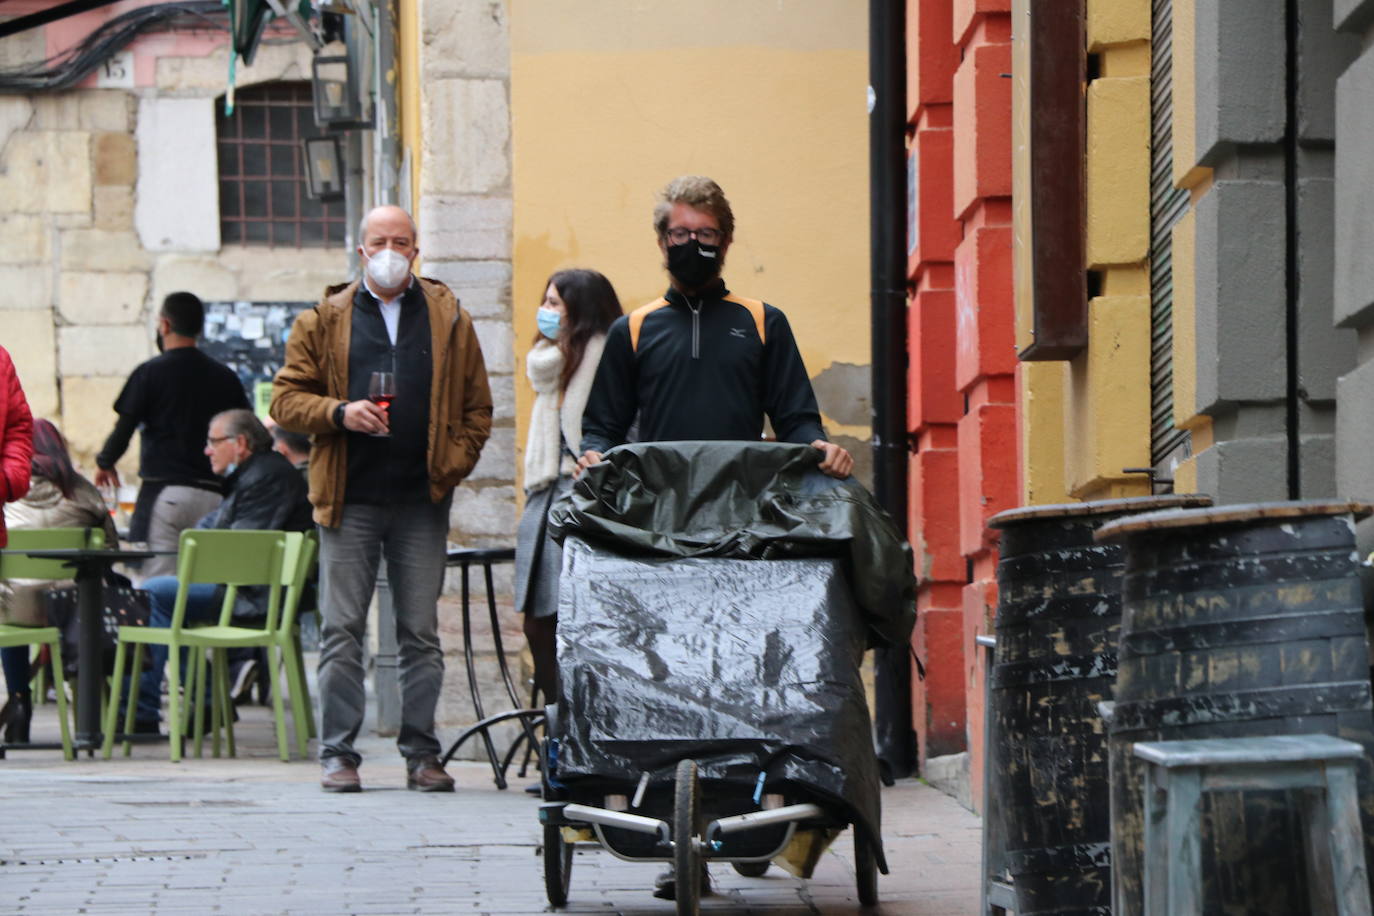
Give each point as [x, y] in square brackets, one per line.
[265, 492]
[262, 492]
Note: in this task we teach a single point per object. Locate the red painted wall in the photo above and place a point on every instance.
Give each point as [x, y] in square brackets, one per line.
[962, 385]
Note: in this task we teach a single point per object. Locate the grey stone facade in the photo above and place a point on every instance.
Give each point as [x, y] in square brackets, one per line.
[1270, 201]
[465, 215]
[1240, 97]
[1353, 276]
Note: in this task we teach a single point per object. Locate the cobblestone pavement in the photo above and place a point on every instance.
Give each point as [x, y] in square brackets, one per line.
[254, 835]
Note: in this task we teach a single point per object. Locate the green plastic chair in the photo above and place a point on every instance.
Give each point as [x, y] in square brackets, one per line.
[18, 566]
[233, 558]
[297, 563]
[302, 709]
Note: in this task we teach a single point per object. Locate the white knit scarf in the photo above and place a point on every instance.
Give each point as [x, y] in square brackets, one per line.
[552, 421]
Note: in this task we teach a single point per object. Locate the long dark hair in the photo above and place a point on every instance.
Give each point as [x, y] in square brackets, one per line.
[50, 457]
[592, 306]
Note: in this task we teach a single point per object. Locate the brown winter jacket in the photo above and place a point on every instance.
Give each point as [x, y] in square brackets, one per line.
[314, 381]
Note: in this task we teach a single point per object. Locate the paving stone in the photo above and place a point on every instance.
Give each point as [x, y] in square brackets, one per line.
[254, 835]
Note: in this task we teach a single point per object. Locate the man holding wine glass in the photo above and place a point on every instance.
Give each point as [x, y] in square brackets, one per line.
[387, 377]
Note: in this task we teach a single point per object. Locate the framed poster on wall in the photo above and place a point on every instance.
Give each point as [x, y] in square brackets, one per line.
[250, 338]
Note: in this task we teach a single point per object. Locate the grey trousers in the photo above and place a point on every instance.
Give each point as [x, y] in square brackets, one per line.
[414, 539]
[177, 508]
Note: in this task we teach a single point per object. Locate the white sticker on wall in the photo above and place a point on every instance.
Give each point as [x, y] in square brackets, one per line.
[117, 72]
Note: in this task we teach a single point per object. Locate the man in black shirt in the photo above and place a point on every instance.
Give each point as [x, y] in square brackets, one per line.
[171, 399]
[701, 362]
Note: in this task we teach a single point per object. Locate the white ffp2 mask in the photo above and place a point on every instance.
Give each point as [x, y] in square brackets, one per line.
[387, 268]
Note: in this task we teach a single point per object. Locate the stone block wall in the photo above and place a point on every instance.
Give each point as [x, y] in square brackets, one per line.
[934, 403]
[465, 213]
[1264, 183]
[985, 350]
[963, 357]
[1353, 281]
[1104, 390]
[110, 202]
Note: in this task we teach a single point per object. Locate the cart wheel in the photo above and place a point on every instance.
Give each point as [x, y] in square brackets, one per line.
[751, 869]
[686, 855]
[545, 789]
[557, 865]
[865, 869]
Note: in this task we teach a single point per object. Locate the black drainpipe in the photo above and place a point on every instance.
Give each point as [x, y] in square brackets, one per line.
[1293, 394]
[896, 740]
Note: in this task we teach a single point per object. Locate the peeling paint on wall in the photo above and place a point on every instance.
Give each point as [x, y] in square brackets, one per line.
[843, 391]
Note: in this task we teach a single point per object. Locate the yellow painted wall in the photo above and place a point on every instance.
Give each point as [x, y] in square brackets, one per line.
[1184, 80]
[1108, 401]
[1184, 268]
[1022, 266]
[1107, 387]
[1041, 414]
[611, 100]
[1084, 420]
[1118, 170]
[408, 64]
[1117, 22]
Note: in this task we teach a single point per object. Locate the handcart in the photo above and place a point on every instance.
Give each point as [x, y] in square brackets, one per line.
[711, 707]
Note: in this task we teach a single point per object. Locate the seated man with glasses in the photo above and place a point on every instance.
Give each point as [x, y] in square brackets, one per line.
[701, 362]
[263, 491]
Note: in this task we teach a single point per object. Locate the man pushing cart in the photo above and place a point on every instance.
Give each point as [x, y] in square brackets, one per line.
[715, 604]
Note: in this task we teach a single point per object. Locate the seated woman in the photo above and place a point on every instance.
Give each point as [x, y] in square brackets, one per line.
[58, 497]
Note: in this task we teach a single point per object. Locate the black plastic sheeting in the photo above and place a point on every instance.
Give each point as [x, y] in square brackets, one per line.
[743, 666]
[676, 639]
[746, 500]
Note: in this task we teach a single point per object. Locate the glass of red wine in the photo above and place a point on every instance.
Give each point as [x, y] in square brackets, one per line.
[381, 390]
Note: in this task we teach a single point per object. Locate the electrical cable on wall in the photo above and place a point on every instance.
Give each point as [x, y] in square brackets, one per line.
[70, 67]
[77, 62]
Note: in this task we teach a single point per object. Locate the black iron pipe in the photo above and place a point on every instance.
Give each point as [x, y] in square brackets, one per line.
[887, 120]
[43, 17]
[1292, 273]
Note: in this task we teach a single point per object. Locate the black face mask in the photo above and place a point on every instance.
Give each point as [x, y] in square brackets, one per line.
[693, 264]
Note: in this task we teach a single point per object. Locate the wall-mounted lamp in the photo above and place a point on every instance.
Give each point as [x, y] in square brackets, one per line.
[337, 102]
[324, 174]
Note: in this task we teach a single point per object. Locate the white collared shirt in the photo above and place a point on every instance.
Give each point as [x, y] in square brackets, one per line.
[391, 308]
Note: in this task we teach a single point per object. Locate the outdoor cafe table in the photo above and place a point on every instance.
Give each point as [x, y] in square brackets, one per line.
[89, 568]
[485, 557]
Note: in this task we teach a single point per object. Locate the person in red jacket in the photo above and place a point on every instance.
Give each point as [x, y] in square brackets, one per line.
[16, 438]
[16, 455]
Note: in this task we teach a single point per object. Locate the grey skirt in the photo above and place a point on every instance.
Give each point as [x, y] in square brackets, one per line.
[538, 559]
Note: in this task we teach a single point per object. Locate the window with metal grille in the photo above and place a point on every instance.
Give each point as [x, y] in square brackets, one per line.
[262, 185]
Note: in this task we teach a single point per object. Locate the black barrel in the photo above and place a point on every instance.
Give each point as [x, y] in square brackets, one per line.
[1240, 621]
[1058, 615]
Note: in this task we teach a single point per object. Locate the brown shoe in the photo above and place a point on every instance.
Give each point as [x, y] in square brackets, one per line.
[338, 774]
[424, 774]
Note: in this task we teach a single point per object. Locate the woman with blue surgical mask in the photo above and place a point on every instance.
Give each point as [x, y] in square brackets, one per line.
[577, 308]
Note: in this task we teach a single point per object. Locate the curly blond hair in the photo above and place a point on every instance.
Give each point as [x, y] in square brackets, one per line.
[699, 193]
